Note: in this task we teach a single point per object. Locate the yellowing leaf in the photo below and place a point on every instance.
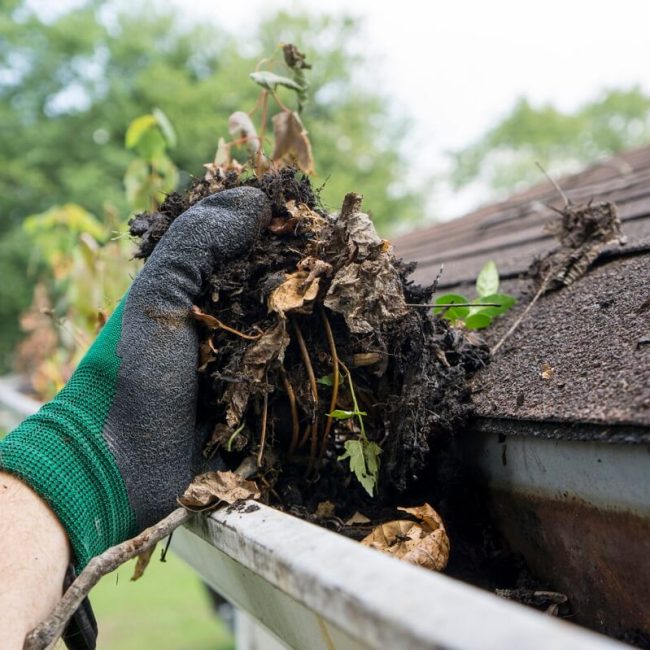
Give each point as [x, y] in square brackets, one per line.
[424, 543]
[547, 371]
[291, 142]
[209, 490]
[137, 129]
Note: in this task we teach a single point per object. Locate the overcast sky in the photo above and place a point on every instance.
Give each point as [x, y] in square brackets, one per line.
[457, 67]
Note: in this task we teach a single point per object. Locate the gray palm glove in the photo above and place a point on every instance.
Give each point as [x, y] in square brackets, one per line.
[116, 447]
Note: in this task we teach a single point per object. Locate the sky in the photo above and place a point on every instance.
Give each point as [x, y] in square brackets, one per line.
[454, 68]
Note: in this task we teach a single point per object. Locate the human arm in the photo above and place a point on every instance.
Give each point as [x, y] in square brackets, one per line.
[114, 449]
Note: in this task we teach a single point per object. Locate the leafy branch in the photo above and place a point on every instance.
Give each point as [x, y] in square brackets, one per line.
[291, 142]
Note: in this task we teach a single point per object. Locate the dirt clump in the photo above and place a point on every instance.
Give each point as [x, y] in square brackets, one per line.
[313, 359]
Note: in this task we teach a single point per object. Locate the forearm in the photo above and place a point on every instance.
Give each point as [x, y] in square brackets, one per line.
[34, 555]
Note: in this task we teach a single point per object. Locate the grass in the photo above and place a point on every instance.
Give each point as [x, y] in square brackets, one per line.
[167, 609]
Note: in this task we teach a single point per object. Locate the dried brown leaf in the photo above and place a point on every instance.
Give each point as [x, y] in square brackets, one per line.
[357, 519]
[258, 357]
[547, 371]
[296, 293]
[425, 543]
[212, 488]
[325, 509]
[142, 563]
[291, 141]
[368, 295]
[240, 125]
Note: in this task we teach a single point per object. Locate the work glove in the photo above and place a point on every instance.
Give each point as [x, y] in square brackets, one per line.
[112, 451]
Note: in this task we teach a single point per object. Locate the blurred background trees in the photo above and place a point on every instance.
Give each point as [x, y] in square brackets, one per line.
[505, 156]
[71, 85]
[72, 79]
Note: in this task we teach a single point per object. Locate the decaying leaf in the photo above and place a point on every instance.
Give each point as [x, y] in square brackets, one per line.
[582, 231]
[325, 509]
[357, 519]
[368, 295]
[212, 488]
[241, 126]
[207, 354]
[424, 543]
[142, 563]
[547, 371]
[259, 356]
[291, 141]
[296, 293]
[270, 80]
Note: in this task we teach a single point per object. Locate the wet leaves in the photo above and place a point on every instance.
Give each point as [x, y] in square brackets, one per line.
[207, 491]
[423, 542]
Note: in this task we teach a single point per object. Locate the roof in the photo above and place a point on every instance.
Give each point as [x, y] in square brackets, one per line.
[594, 336]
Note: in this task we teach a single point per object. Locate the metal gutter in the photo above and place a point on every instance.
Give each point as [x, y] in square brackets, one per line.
[578, 510]
[301, 586]
[314, 589]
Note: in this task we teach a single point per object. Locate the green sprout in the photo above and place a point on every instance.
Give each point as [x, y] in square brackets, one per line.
[477, 316]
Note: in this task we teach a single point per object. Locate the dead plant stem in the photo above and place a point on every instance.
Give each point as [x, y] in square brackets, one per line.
[335, 382]
[312, 382]
[295, 423]
[265, 415]
[523, 315]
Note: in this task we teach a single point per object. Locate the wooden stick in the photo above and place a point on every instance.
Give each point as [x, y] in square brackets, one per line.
[50, 630]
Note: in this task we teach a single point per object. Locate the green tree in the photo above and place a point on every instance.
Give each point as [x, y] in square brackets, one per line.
[70, 86]
[562, 142]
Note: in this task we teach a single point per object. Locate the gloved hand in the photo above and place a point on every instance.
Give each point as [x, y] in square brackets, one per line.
[112, 451]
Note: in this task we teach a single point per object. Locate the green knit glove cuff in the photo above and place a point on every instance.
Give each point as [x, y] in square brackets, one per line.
[61, 453]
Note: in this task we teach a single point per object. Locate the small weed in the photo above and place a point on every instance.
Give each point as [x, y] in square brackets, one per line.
[477, 317]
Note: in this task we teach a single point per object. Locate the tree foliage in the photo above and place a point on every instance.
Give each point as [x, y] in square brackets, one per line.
[71, 85]
[560, 141]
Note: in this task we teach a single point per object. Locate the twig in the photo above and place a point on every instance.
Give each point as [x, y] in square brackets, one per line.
[335, 382]
[265, 414]
[312, 381]
[555, 185]
[295, 423]
[454, 304]
[523, 315]
[260, 151]
[50, 630]
[434, 286]
[212, 321]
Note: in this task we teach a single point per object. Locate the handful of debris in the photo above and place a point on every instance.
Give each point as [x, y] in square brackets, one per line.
[316, 358]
